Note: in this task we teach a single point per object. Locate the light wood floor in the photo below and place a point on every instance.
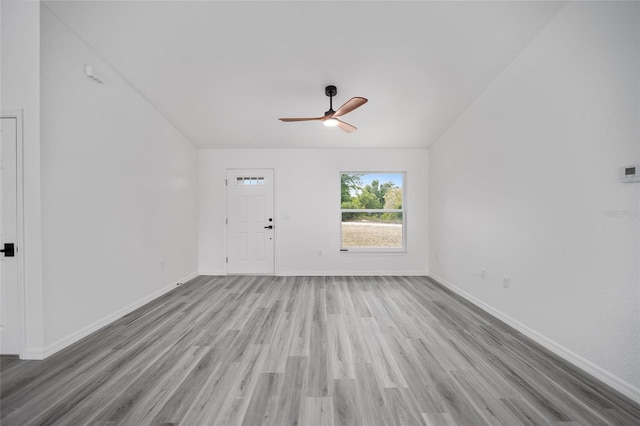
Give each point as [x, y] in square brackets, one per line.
[306, 351]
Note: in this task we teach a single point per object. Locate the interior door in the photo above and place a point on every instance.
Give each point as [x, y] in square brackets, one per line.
[10, 341]
[250, 222]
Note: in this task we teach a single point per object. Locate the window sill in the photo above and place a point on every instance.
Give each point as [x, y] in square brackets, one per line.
[372, 250]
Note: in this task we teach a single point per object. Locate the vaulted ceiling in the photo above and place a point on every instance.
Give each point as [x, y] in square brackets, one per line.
[223, 72]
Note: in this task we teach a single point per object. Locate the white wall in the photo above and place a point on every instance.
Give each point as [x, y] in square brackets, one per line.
[525, 184]
[119, 193]
[307, 209]
[20, 90]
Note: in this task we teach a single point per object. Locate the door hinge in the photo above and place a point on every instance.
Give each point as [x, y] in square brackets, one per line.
[226, 221]
[225, 182]
[227, 260]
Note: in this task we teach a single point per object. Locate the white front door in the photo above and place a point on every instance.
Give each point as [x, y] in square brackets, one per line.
[10, 341]
[250, 222]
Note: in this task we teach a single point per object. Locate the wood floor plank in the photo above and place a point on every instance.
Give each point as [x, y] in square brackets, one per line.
[302, 319]
[458, 403]
[183, 398]
[438, 419]
[288, 404]
[346, 411]
[317, 374]
[479, 393]
[319, 300]
[269, 324]
[370, 397]
[279, 348]
[253, 350]
[403, 407]
[237, 376]
[356, 297]
[262, 395]
[525, 414]
[316, 411]
[339, 349]
[419, 372]
[211, 405]
[383, 361]
[333, 305]
[141, 401]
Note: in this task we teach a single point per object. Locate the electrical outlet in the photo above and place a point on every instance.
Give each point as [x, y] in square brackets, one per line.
[506, 282]
[319, 253]
[162, 264]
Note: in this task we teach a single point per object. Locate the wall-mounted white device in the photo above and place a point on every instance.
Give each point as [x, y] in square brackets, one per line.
[630, 173]
[92, 74]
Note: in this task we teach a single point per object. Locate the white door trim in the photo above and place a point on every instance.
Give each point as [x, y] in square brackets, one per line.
[17, 114]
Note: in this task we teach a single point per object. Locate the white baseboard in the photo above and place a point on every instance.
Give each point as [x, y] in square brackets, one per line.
[38, 354]
[187, 278]
[212, 273]
[599, 373]
[352, 273]
[332, 273]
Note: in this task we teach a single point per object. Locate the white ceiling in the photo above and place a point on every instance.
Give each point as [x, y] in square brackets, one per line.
[223, 72]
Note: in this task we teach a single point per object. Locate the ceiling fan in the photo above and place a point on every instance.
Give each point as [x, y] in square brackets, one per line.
[330, 118]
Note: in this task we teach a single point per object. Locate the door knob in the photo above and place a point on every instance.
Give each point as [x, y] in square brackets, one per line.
[268, 227]
[9, 250]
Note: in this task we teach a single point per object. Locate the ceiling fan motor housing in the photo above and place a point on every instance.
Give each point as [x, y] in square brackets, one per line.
[330, 91]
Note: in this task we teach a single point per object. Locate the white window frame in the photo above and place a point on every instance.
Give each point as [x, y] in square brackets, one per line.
[403, 210]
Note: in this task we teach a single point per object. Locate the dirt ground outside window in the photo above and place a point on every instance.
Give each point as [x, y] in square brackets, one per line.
[374, 235]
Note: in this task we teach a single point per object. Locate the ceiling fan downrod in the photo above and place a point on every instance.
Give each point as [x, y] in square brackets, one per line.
[330, 91]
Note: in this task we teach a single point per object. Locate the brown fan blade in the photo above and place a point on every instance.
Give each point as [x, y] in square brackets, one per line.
[350, 105]
[288, 120]
[345, 126]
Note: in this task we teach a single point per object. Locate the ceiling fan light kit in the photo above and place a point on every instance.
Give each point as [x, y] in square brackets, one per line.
[330, 118]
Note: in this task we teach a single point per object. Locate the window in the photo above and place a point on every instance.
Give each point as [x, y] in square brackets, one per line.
[249, 180]
[372, 211]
